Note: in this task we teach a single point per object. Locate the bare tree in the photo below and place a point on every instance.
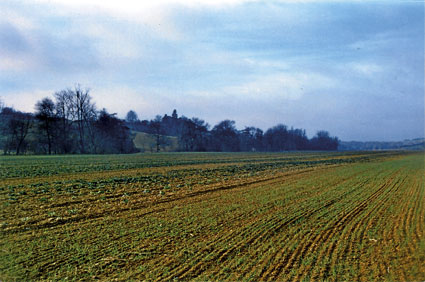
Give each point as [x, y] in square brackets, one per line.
[79, 106]
[63, 112]
[82, 113]
[45, 113]
[74, 107]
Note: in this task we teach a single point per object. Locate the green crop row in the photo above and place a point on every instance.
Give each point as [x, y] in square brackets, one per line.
[276, 217]
[38, 166]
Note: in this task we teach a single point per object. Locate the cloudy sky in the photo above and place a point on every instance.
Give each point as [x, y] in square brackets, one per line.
[354, 68]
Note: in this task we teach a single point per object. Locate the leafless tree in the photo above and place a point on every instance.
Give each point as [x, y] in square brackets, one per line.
[45, 113]
[83, 111]
[63, 112]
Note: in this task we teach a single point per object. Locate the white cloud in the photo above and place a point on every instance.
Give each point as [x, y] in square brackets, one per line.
[26, 100]
[267, 64]
[15, 63]
[18, 21]
[378, 41]
[134, 6]
[111, 42]
[267, 89]
[121, 99]
[367, 69]
[19, 33]
[154, 15]
[131, 6]
[289, 86]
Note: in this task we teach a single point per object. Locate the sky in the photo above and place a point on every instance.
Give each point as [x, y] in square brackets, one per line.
[353, 68]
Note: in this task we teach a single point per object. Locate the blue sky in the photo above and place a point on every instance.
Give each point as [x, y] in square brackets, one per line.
[354, 68]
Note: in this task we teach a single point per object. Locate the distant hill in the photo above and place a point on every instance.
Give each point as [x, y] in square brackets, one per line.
[146, 142]
[414, 144]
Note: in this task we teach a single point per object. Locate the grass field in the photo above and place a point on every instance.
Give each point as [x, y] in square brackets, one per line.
[237, 216]
[147, 142]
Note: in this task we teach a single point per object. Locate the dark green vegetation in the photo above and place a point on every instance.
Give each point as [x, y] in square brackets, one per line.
[206, 216]
[414, 144]
[72, 125]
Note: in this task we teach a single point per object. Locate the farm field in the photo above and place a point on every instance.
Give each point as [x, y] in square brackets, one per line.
[214, 216]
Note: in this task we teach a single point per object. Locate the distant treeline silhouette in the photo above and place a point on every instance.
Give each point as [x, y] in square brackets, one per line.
[71, 124]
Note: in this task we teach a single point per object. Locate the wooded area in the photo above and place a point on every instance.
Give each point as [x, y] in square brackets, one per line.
[71, 124]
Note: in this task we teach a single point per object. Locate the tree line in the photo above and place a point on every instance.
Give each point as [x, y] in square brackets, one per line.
[71, 124]
[67, 124]
[195, 135]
